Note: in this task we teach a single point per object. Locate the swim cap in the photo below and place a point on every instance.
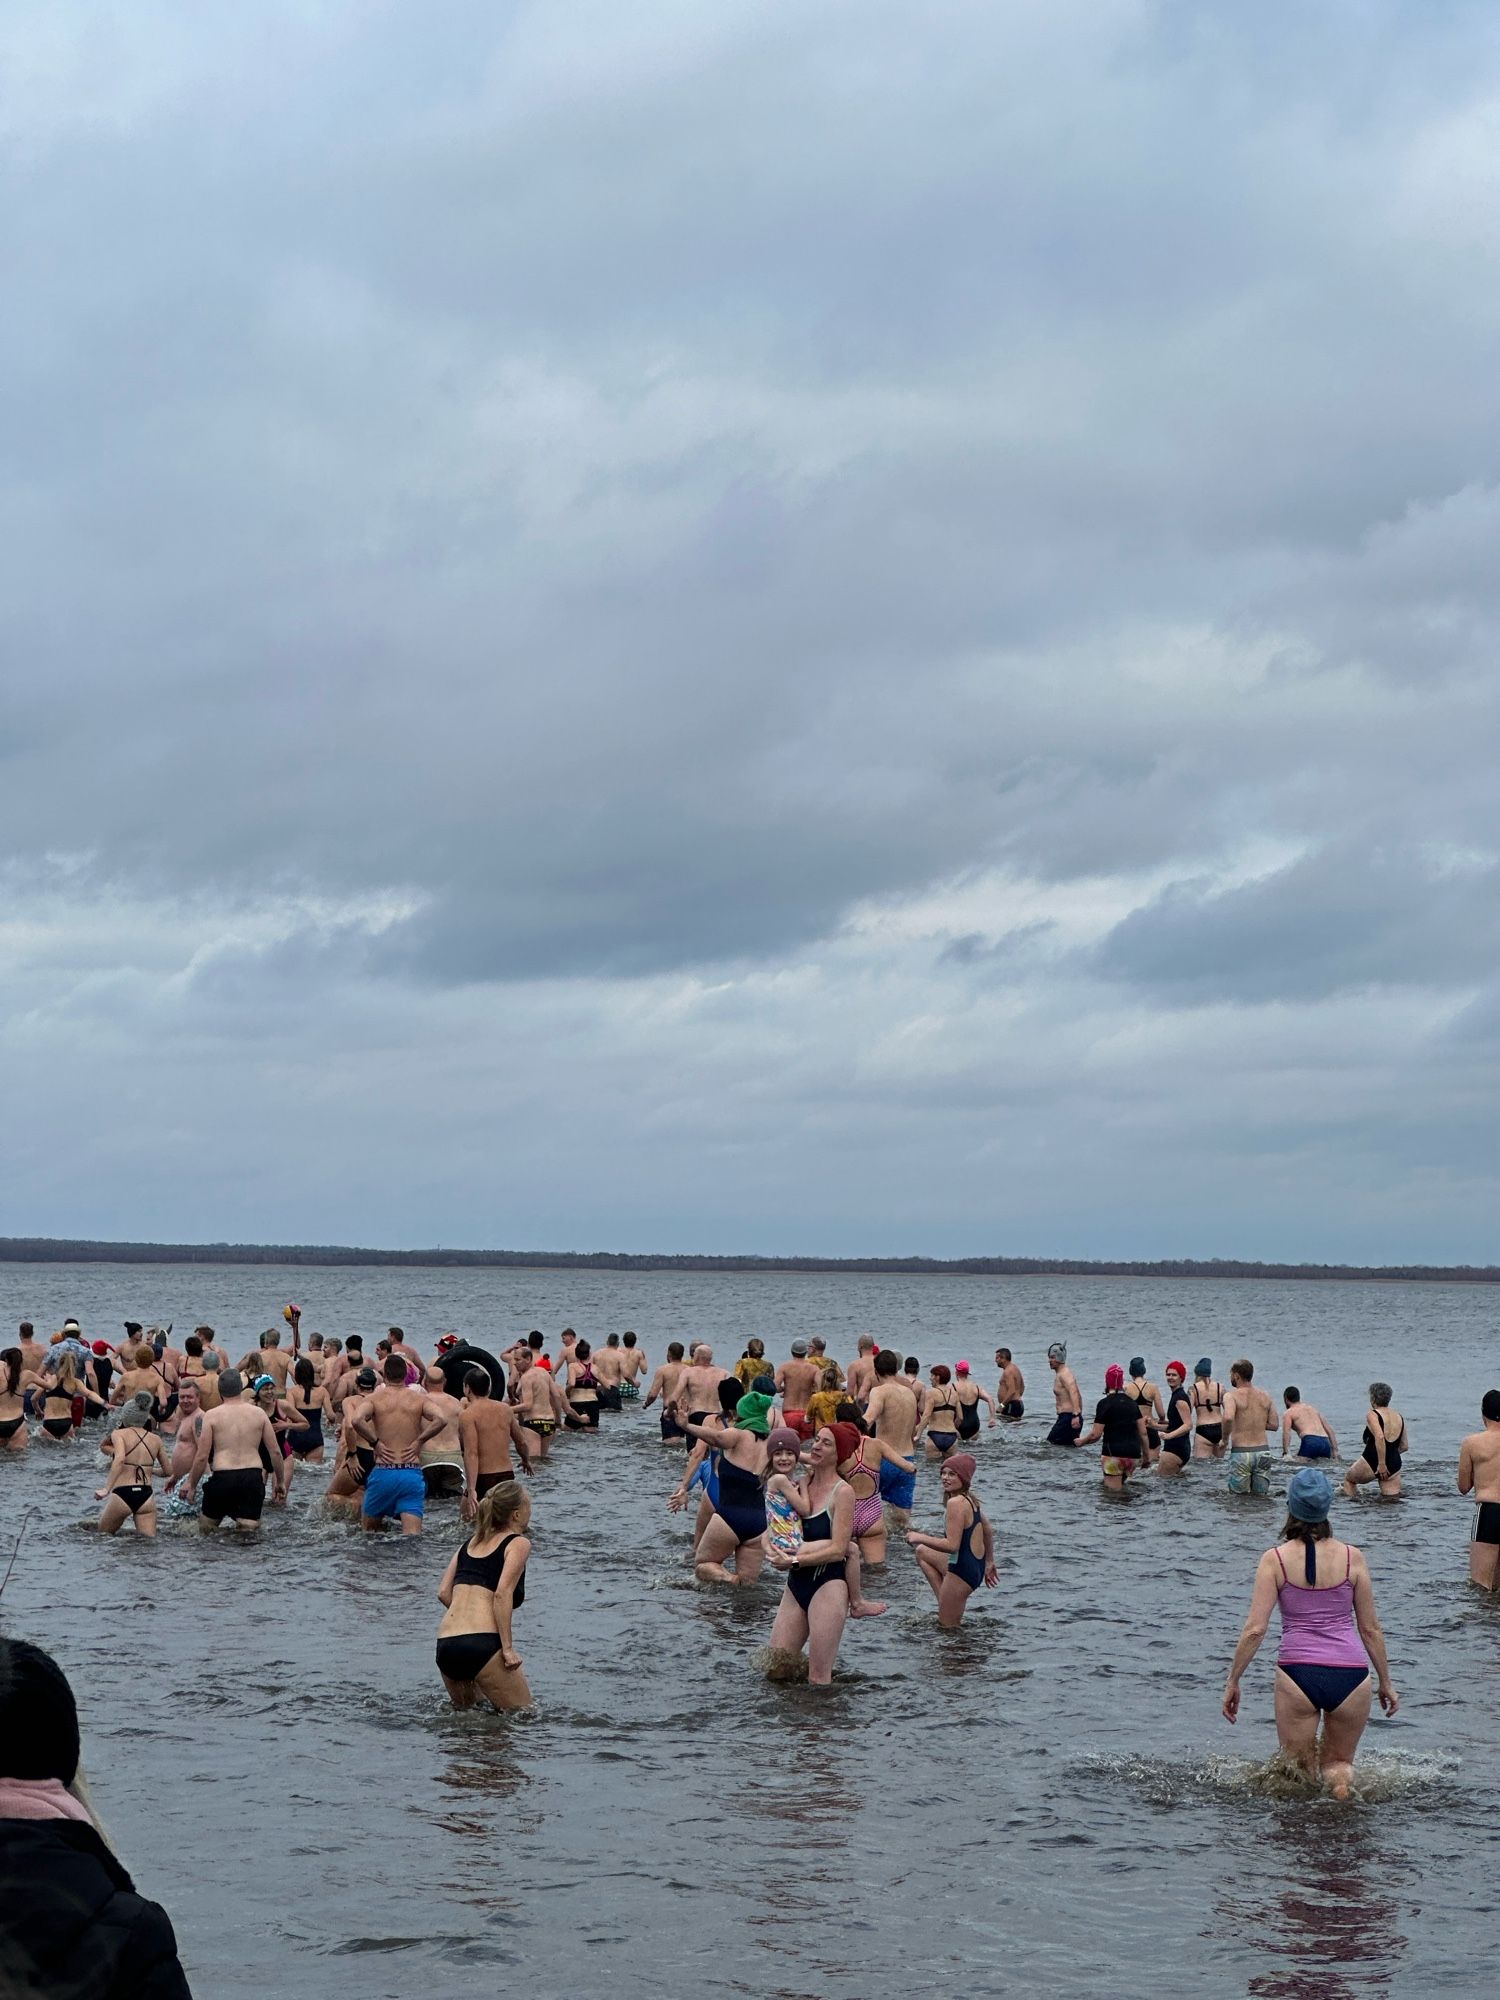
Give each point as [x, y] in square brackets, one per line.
[963, 1464]
[846, 1437]
[750, 1413]
[1058, 1351]
[799, 1348]
[365, 1379]
[101, 1347]
[1137, 1364]
[262, 1382]
[782, 1439]
[765, 1385]
[1205, 1367]
[1114, 1376]
[1309, 1495]
[963, 1367]
[1179, 1369]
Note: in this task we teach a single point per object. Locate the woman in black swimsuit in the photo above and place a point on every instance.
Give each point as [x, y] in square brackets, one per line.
[60, 1393]
[1177, 1431]
[482, 1586]
[137, 1453]
[309, 1404]
[1147, 1398]
[13, 1432]
[739, 1508]
[815, 1604]
[970, 1396]
[1385, 1441]
[940, 1417]
[1208, 1412]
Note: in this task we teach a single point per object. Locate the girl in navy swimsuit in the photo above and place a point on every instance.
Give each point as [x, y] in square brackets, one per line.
[967, 1543]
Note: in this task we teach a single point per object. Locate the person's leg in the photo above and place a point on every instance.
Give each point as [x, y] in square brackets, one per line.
[503, 1687]
[1342, 1729]
[789, 1633]
[700, 1525]
[749, 1558]
[1484, 1564]
[1296, 1723]
[145, 1520]
[1169, 1465]
[953, 1597]
[872, 1546]
[113, 1516]
[717, 1546]
[860, 1606]
[1390, 1489]
[934, 1568]
[1260, 1474]
[462, 1694]
[826, 1618]
[411, 1524]
[1358, 1474]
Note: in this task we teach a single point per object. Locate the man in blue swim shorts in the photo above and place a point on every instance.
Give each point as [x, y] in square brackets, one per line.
[892, 1416]
[1313, 1432]
[397, 1421]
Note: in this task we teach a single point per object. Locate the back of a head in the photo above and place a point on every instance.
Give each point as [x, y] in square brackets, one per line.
[304, 1374]
[1489, 1407]
[365, 1379]
[674, 1350]
[497, 1509]
[887, 1362]
[271, 1337]
[38, 1715]
[355, 1344]
[193, 1345]
[231, 1383]
[630, 1340]
[1291, 1395]
[913, 1365]
[1380, 1395]
[477, 1382]
[1242, 1371]
[729, 1394]
[536, 1342]
[144, 1356]
[941, 1375]
[212, 1363]
[395, 1368]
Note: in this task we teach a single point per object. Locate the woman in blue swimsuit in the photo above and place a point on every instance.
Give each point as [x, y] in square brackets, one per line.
[956, 1562]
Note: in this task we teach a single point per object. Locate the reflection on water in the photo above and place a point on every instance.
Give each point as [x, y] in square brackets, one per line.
[1334, 1927]
[968, 1811]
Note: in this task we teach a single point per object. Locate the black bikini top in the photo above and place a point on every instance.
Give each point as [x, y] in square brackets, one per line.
[484, 1572]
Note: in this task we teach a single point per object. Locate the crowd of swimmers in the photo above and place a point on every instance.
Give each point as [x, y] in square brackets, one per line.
[797, 1465]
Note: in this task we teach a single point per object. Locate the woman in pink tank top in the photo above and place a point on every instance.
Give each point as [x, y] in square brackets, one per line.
[1330, 1638]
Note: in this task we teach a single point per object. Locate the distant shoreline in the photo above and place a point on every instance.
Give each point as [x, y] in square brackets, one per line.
[61, 1250]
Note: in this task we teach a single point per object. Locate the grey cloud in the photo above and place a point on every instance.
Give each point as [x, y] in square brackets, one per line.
[1337, 920]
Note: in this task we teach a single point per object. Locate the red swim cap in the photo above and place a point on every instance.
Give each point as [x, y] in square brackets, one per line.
[846, 1437]
[1180, 1368]
[101, 1347]
[1114, 1376]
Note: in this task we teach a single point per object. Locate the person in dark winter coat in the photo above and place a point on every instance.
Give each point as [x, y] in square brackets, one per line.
[71, 1925]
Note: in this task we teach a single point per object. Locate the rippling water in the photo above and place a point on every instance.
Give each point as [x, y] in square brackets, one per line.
[1046, 1799]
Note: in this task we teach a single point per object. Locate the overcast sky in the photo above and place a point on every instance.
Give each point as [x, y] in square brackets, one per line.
[780, 625]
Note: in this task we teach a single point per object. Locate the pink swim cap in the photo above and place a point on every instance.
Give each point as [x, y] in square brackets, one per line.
[963, 1367]
[961, 1463]
[1114, 1376]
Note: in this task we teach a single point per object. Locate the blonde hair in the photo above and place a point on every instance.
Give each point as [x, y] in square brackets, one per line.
[497, 1509]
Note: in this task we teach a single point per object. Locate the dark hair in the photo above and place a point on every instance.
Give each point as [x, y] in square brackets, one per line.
[913, 1365]
[1002, 1354]
[38, 1715]
[630, 1340]
[1489, 1407]
[730, 1391]
[477, 1381]
[941, 1374]
[1380, 1395]
[11, 1357]
[1244, 1369]
[536, 1342]
[582, 1349]
[888, 1362]
[848, 1412]
[1306, 1531]
[27, 1329]
[395, 1333]
[355, 1344]
[613, 1340]
[395, 1368]
[674, 1351]
[755, 1349]
[1290, 1396]
[304, 1374]
[193, 1345]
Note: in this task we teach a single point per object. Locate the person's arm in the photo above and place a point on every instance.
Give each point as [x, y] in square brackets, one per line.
[989, 1403]
[1092, 1437]
[1377, 1431]
[561, 1410]
[505, 1597]
[953, 1529]
[1465, 1467]
[295, 1317]
[653, 1392]
[436, 1424]
[1286, 1433]
[445, 1588]
[1366, 1618]
[991, 1573]
[200, 1457]
[1257, 1621]
[468, 1438]
[520, 1437]
[1075, 1395]
[362, 1424]
[677, 1498]
[1156, 1404]
[1144, 1438]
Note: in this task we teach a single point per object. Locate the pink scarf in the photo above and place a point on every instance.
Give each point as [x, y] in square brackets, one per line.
[40, 1798]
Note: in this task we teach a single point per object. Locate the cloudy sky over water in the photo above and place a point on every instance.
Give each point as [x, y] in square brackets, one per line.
[824, 627]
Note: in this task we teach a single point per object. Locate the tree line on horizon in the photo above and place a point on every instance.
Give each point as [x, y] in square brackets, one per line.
[60, 1250]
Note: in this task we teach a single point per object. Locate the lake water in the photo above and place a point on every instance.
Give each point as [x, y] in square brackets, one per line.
[1046, 1801]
